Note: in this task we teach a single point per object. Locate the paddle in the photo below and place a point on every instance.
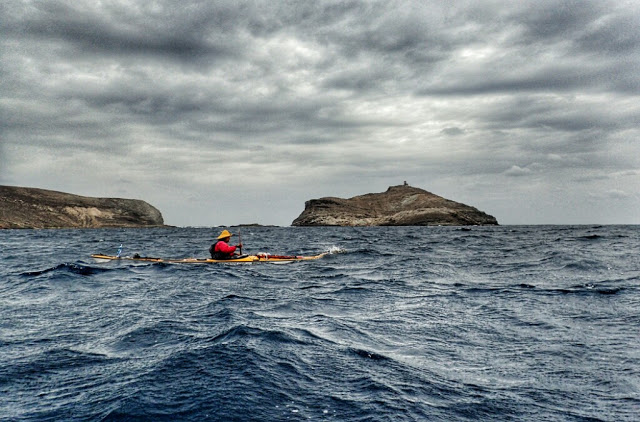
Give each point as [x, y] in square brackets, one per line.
[240, 240]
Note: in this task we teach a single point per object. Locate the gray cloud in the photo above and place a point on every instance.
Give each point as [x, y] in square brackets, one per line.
[159, 28]
[517, 171]
[207, 103]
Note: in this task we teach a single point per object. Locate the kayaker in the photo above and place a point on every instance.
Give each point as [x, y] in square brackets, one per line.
[221, 248]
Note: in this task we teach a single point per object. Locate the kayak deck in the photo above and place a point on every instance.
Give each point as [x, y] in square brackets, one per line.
[242, 259]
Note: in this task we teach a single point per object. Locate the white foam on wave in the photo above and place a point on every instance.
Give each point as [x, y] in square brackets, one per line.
[336, 249]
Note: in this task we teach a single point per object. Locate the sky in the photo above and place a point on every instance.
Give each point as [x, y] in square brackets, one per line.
[237, 112]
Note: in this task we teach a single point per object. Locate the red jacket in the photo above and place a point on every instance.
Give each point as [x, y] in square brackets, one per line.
[224, 247]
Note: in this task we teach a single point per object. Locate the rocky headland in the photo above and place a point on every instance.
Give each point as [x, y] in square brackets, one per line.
[26, 208]
[401, 205]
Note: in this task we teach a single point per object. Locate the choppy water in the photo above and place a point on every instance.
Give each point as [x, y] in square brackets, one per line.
[406, 324]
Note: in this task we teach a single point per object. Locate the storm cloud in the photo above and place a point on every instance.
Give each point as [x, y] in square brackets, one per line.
[233, 112]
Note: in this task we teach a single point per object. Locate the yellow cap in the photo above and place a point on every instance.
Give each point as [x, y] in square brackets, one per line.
[224, 234]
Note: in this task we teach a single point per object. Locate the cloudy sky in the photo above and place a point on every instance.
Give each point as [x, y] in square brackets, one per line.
[226, 112]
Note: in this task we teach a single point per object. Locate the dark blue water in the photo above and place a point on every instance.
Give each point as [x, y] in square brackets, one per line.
[404, 324]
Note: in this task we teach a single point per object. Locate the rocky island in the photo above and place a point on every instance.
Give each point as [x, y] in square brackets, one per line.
[401, 205]
[24, 208]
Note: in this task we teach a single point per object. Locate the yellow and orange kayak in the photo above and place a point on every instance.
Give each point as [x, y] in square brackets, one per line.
[242, 259]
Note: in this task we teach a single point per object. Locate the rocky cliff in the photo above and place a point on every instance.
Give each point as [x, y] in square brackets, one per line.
[399, 206]
[40, 208]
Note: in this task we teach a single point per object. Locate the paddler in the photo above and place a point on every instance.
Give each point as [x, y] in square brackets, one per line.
[221, 248]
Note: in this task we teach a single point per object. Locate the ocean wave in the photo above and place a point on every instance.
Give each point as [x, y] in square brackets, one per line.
[142, 335]
[245, 334]
[587, 289]
[68, 268]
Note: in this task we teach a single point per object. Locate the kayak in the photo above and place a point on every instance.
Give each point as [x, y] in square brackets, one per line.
[241, 259]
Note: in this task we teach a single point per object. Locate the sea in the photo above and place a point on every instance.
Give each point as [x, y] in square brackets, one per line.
[504, 323]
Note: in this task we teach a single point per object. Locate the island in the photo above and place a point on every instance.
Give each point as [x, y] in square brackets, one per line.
[33, 208]
[401, 205]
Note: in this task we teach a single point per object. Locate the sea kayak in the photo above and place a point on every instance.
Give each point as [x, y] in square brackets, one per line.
[242, 259]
